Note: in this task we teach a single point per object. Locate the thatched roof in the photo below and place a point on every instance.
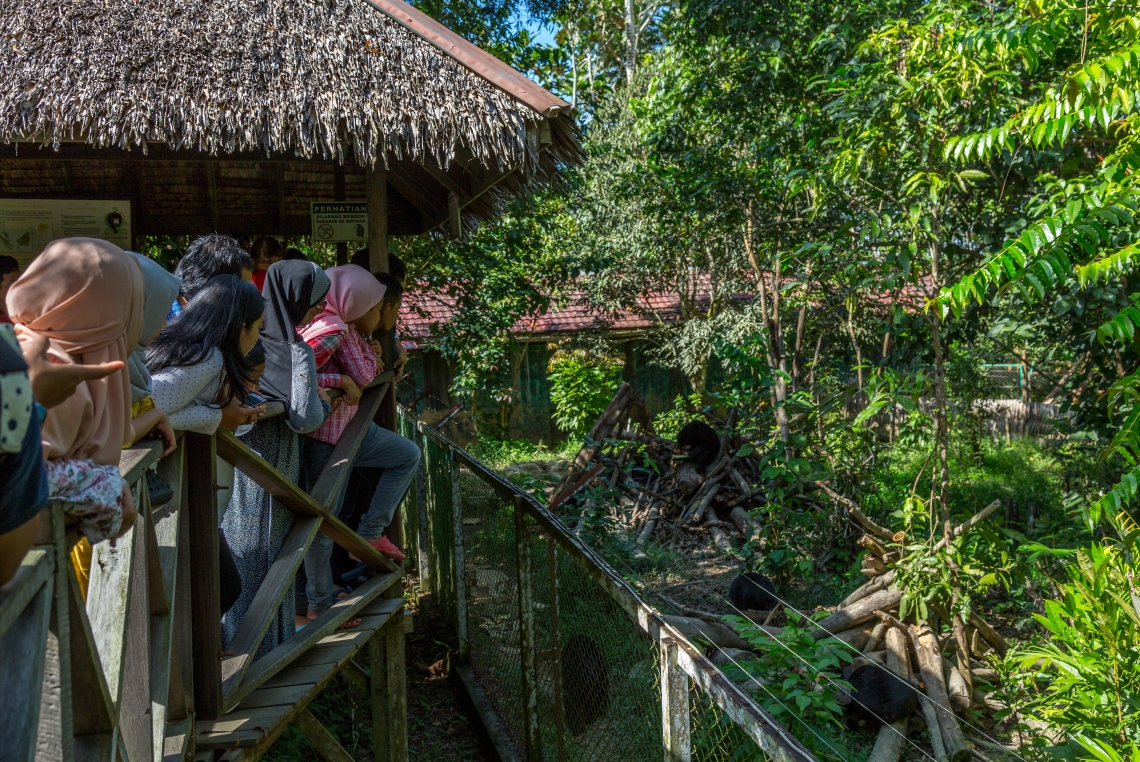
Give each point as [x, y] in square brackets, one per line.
[310, 78]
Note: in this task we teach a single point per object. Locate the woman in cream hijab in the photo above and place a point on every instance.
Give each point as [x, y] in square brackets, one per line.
[85, 296]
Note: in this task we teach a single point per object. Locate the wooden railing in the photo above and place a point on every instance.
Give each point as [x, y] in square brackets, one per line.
[125, 674]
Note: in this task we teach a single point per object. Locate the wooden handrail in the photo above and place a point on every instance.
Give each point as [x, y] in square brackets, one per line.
[328, 491]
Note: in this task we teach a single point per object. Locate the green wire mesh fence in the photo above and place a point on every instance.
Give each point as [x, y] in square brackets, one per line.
[563, 659]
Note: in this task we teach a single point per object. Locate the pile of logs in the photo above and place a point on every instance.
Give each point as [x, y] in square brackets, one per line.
[943, 667]
[715, 502]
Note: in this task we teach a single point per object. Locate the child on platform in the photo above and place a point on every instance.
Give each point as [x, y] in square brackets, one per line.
[358, 305]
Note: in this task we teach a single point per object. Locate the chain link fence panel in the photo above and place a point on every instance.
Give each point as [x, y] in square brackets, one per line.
[567, 659]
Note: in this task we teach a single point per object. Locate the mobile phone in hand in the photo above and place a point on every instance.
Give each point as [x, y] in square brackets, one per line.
[253, 399]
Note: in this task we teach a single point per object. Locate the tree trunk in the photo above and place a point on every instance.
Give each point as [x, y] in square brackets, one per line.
[942, 434]
[854, 341]
[630, 41]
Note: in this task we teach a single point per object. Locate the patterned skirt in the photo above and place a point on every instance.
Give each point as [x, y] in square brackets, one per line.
[255, 527]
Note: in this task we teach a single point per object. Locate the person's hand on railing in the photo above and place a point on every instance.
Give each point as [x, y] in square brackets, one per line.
[378, 350]
[129, 514]
[166, 431]
[53, 383]
[323, 395]
[351, 391]
[235, 414]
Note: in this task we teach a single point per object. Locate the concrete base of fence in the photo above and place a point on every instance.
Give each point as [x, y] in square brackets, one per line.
[491, 720]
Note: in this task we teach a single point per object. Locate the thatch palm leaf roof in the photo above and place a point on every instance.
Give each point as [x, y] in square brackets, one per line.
[311, 78]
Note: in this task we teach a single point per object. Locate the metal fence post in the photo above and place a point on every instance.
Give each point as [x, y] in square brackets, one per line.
[458, 558]
[674, 706]
[526, 633]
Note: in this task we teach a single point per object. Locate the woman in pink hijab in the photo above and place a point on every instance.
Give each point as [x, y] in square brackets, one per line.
[85, 297]
[357, 306]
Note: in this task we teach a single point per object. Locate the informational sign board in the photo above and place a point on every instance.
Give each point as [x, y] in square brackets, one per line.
[335, 221]
[27, 225]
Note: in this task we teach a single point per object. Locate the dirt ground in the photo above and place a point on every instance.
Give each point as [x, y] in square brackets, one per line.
[442, 724]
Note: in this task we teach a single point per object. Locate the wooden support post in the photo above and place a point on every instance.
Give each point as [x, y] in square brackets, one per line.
[378, 685]
[531, 729]
[205, 605]
[56, 709]
[674, 706]
[376, 191]
[455, 219]
[23, 647]
[397, 687]
[339, 195]
[136, 725]
[460, 581]
[422, 542]
[212, 192]
[321, 739]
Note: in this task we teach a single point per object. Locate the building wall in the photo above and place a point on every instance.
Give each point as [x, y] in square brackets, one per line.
[531, 416]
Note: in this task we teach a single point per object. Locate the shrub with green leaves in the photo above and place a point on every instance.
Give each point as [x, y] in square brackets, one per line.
[1091, 662]
[581, 385]
[791, 677]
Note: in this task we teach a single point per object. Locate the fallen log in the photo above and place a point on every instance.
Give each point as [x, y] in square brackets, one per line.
[869, 543]
[868, 523]
[603, 428]
[857, 613]
[929, 713]
[854, 638]
[933, 677]
[718, 634]
[876, 635]
[869, 588]
[873, 566]
[711, 488]
[718, 535]
[745, 524]
[891, 741]
[989, 634]
[960, 693]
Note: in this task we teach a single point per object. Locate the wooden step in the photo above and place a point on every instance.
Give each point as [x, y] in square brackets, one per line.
[263, 715]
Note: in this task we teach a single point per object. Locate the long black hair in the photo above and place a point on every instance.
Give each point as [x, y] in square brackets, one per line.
[213, 318]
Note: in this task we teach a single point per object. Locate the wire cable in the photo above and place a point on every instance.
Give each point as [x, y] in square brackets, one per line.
[819, 672]
[783, 602]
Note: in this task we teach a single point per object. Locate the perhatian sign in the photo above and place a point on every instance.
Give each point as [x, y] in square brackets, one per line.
[27, 225]
[335, 221]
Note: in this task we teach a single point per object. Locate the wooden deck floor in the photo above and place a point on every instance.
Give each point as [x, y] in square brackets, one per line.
[262, 716]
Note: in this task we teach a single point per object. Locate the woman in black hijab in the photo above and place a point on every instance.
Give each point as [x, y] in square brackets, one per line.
[255, 526]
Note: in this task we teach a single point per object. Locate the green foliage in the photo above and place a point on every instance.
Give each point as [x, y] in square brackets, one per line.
[668, 423]
[581, 385]
[783, 678]
[1091, 663]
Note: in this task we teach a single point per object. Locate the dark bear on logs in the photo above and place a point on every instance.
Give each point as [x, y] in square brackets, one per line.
[697, 448]
[753, 591]
[586, 681]
[878, 696]
[698, 444]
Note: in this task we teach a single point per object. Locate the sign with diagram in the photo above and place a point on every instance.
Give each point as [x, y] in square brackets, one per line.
[336, 221]
[29, 224]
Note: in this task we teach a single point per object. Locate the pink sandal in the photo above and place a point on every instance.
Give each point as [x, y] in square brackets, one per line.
[385, 546]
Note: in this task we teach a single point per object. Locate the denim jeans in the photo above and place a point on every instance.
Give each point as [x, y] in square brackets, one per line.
[381, 448]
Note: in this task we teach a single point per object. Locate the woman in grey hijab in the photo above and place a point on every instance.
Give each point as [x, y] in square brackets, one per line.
[255, 525]
[161, 289]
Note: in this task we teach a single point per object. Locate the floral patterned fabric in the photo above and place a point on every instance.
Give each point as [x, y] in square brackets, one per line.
[90, 492]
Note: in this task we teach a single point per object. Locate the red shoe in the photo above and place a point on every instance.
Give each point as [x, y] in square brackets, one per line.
[385, 546]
